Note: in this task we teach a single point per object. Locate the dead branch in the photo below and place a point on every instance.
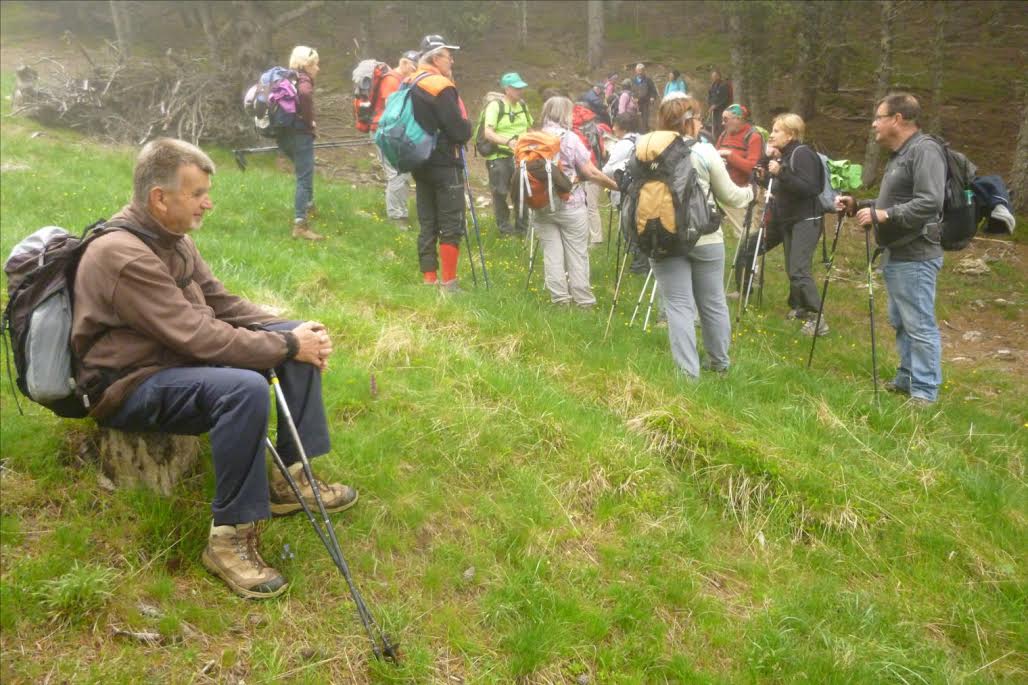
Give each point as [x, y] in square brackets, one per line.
[137, 100]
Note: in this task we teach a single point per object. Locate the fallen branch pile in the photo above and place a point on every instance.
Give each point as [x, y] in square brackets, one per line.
[136, 101]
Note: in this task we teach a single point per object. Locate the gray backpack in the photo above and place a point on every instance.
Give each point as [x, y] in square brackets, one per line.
[826, 198]
[38, 317]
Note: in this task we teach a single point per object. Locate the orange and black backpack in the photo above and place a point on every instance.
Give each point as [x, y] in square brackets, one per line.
[367, 77]
[538, 176]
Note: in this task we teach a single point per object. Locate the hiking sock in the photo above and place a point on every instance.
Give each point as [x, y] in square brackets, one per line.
[430, 277]
[448, 255]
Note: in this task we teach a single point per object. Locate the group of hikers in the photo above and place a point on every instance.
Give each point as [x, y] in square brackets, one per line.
[165, 347]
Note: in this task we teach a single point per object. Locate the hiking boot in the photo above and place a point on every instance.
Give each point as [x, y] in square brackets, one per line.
[301, 231]
[401, 222]
[890, 386]
[808, 328]
[920, 402]
[232, 555]
[335, 496]
[450, 287]
[796, 314]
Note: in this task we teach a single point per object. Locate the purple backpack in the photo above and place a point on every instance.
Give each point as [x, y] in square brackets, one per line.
[272, 101]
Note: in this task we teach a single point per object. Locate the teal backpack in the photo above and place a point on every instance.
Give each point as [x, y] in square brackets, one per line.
[402, 140]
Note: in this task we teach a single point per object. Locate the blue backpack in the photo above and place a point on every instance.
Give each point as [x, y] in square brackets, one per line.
[402, 140]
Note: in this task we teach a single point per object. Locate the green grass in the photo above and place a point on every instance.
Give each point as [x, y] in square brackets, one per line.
[537, 502]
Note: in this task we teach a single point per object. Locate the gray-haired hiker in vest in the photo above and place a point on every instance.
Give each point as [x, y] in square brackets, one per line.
[166, 348]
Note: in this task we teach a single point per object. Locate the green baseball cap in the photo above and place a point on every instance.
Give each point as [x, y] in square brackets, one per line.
[512, 80]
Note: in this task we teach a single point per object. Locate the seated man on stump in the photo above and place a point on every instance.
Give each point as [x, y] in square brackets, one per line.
[164, 347]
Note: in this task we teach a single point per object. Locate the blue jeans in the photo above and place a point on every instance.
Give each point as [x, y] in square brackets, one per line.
[299, 148]
[911, 287]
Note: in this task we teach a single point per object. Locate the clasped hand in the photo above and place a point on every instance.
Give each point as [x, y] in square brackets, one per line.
[315, 344]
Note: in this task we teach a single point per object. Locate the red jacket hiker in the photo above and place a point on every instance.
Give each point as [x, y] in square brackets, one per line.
[745, 153]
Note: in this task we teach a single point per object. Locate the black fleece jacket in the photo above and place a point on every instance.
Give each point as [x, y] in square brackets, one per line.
[797, 185]
[442, 113]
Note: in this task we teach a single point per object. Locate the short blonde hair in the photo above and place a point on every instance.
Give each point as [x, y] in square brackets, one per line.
[558, 110]
[158, 163]
[792, 124]
[302, 57]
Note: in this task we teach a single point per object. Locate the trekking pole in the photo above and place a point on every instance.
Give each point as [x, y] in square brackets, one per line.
[642, 294]
[610, 224]
[617, 291]
[824, 290]
[744, 301]
[870, 291]
[745, 238]
[533, 247]
[389, 650]
[474, 218]
[332, 542]
[470, 250]
[824, 243]
[241, 153]
[649, 307]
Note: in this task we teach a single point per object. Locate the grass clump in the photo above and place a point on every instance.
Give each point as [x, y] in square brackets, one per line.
[78, 594]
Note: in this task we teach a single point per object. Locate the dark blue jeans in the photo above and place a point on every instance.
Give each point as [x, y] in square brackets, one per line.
[233, 405]
[299, 147]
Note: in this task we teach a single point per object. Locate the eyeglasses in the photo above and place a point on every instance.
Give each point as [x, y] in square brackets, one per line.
[884, 116]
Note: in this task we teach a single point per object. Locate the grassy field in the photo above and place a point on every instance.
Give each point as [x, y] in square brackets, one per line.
[538, 504]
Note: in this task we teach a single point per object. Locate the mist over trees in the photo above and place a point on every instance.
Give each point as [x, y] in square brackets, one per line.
[801, 56]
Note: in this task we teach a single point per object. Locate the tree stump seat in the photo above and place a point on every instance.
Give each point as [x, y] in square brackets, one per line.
[157, 461]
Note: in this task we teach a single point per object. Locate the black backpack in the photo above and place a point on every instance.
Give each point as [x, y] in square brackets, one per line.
[959, 221]
[38, 318]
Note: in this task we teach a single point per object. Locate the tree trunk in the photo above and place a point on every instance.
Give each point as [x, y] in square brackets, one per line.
[806, 67]
[122, 28]
[203, 13]
[883, 76]
[739, 55]
[938, 66]
[833, 15]
[158, 461]
[1019, 172]
[523, 24]
[595, 50]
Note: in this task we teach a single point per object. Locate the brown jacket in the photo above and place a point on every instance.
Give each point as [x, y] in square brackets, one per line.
[141, 307]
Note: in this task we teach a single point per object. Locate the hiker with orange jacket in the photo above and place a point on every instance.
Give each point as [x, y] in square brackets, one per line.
[439, 182]
[396, 183]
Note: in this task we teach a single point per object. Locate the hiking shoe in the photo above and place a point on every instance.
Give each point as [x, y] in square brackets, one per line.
[401, 222]
[450, 287]
[301, 231]
[335, 496]
[920, 402]
[232, 555]
[808, 328]
[796, 314]
[890, 386]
